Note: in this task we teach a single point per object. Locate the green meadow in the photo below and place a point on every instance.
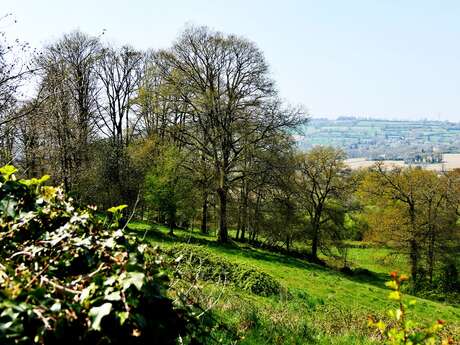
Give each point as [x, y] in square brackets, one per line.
[321, 305]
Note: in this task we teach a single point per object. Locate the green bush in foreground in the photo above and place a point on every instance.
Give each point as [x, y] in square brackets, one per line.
[67, 277]
[403, 330]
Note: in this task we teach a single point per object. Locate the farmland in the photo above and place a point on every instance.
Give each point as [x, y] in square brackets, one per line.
[385, 139]
[449, 161]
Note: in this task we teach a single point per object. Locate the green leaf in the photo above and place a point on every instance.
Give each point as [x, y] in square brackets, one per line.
[123, 315]
[97, 313]
[380, 325]
[110, 280]
[114, 296]
[34, 181]
[399, 313]
[110, 243]
[391, 284]
[133, 278]
[8, 207]
[87, 292]
[56, 307]
[117, 209]
[7, 171]
[395, 296]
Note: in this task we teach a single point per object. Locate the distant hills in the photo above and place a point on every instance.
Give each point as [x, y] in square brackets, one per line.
[411, 141]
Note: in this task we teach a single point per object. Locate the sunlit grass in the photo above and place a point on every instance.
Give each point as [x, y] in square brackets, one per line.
[330, 291]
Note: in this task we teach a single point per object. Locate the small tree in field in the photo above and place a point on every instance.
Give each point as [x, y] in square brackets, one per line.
[321, 187]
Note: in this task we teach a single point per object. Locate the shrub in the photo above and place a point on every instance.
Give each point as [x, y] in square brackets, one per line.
[67, 276]
[449, 278]
[257, 282]
[200, 262]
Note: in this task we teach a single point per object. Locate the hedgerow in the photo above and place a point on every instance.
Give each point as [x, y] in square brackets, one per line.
[200, 262]
[69, 277]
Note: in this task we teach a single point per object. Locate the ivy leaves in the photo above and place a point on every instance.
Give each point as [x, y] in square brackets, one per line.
[64, 268]
[97, 313]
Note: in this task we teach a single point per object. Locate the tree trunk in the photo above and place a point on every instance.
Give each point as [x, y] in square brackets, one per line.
[222, 235]
[172, 224]
[413, 255]
[413, 247]
[238, 226]
[244, 213]
[431, 248]
[314, 242]
[255, 228]
[204, 217]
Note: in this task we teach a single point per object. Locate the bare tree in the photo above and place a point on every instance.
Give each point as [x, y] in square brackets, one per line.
[120, 72]
[13, 68]
[13, 71]
[68, 90]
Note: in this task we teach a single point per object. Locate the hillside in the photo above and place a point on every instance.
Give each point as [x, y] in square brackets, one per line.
[383, 139]
[320, 306]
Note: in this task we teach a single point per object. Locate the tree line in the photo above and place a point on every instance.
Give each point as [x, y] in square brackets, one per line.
[196, 135]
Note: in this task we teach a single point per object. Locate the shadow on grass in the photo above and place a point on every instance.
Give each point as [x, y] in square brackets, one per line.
[156, 234]
[364, 276]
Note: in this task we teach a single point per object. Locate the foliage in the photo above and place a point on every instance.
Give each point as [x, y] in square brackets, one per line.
[169, 188]
[198, 261]
[322, 187]
[66, 276]
[403, 330]
[416, 211]
[235, 109]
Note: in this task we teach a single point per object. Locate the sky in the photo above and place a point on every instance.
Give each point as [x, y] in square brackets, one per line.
[395, 59]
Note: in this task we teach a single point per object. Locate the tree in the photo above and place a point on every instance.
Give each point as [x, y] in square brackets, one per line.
[67, 100]
[321, 188]
[414, 211]
[228, 98]
[119, 72]
[14, 70]
[170, 190]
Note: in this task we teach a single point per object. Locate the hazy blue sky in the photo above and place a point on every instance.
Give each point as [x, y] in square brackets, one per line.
[394, 59]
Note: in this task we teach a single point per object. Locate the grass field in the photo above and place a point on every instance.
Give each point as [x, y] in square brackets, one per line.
[325, 307]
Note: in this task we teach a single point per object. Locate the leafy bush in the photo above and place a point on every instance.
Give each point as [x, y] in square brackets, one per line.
[67, 276]
[449, 279]
[257, 282]
[201, 262]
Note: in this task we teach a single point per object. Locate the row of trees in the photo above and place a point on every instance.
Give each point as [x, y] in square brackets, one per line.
[418, 211]
[103, 117]
[196, 135]
[297, 198]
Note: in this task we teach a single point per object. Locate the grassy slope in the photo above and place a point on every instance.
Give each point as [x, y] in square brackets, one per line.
[346, 299]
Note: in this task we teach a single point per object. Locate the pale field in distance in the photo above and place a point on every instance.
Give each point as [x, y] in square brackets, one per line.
[450, 161]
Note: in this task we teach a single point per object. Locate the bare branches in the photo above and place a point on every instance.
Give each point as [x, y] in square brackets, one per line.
[120, 73]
